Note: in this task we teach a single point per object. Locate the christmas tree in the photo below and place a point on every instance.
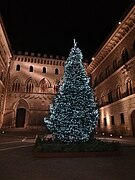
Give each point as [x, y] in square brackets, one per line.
[73, 112]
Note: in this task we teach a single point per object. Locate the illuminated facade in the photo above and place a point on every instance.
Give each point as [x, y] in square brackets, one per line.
[5, 56]
[28, 82]
[33, 82]
[113, 79]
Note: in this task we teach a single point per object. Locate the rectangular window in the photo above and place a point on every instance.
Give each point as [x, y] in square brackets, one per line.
[105, 122]
[122, 118]
[112, 120]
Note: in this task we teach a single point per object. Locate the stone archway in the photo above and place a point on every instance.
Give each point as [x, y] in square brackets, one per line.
[20, 117]
[133, 122]
[21, 114]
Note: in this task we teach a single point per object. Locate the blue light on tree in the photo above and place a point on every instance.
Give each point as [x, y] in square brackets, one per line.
[73, 112]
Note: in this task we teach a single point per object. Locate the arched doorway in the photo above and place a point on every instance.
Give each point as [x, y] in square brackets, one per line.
[20, 117]
[133, 122]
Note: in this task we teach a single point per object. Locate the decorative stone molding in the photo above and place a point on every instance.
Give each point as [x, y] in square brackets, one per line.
[121, 31]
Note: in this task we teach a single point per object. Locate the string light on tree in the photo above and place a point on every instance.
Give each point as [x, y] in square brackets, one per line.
[73, 112]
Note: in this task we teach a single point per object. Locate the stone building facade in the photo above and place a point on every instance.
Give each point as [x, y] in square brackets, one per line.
[113, 78]
[32, 84]
[5, 57]
[28, 82]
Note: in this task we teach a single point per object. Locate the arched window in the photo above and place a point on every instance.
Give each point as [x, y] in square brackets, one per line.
[101, 77]
[110, 97]
[102, 102]
[16, 85]
[95, 82]
[56, 71]
[44, 70]
[125, 56]
[115, 65]
[118, 92]
[129, 87]
[44, 85]
[18, 67]
[107, 71]
[29, 86]
[31, 69]
[56, 85]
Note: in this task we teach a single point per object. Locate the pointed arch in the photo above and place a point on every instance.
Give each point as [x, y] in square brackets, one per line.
[44, 85]
[29, 85]
[22, 113]
[16, 85]
[56, 85]
[102, 99]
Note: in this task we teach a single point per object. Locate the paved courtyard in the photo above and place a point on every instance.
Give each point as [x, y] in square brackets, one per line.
[18, 163]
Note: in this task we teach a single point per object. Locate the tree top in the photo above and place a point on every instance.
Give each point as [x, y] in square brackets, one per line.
[75, 43]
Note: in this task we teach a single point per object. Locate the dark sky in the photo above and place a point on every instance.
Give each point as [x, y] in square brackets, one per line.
[49, 26]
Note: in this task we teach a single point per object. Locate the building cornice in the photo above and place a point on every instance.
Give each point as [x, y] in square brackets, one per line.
[124, 27]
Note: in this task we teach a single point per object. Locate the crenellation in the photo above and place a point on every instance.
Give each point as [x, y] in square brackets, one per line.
[51, 56]
[45, 55]
[19, 52]
[38, 55]
[63, 57]
[32, 54]
[57, 57]
[38, 60]
[26, 53]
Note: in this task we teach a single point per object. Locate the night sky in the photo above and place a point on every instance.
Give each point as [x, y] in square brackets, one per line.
[49, 26]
